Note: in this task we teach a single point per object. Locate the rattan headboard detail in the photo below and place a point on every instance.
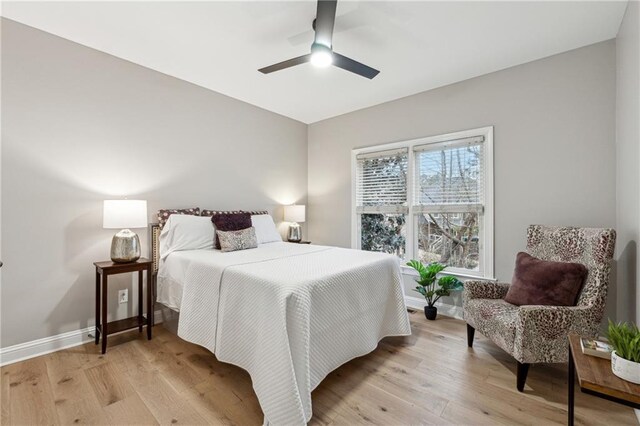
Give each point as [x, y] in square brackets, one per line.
[154, 236]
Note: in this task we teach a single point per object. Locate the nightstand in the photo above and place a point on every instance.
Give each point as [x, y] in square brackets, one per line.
[103, 328]
[300, 242]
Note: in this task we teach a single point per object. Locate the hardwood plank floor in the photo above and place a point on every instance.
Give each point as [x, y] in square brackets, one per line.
[430, 377]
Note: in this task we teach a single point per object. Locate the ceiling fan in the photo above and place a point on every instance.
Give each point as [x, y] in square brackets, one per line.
[322, 54]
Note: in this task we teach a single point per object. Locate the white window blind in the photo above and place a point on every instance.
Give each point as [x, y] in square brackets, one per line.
[381, 181]
[449, 176]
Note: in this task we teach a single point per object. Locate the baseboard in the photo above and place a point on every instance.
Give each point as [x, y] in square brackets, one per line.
[35, 348]
[46, 345]
[443, 308]
[43, 346]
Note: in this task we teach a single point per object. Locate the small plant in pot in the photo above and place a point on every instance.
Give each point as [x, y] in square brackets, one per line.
[432, 287]
[625, 358]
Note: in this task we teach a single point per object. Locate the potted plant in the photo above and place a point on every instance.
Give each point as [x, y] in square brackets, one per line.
[431, 288]
[625, 358]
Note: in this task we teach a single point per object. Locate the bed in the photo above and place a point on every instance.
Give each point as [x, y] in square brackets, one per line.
[287, 313]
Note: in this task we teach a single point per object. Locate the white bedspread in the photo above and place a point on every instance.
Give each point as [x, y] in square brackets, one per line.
[289, 314]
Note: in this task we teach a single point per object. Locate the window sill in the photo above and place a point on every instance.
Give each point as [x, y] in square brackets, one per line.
[408, 271]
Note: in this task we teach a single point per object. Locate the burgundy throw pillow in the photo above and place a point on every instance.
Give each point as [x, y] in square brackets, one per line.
[230, 222]
[541, 282]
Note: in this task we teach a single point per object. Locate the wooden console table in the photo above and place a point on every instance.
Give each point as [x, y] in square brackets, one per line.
[596, 378]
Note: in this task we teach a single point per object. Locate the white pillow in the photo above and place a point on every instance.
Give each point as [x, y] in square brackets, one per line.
[186, 232]
[266, 231]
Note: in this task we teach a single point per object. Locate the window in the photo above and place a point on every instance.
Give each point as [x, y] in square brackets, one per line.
[442, 213]
[381, 200]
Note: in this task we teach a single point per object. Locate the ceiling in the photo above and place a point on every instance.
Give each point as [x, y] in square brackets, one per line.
[416, 45]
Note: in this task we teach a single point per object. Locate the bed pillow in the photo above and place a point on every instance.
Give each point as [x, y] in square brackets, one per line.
[163, 215]
[266, 231]
[207, 212]
[541, 282]
[225, 221]
[237, 240]
[186, 232]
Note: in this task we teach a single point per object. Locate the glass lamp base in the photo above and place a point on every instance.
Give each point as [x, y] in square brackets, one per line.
[295, 233]
[125, 247]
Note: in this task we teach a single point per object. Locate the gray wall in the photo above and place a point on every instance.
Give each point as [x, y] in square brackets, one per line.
[628, 158]
[554, 145]
[80, 126]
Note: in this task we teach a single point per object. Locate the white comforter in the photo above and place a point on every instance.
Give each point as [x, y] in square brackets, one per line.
[289, 314]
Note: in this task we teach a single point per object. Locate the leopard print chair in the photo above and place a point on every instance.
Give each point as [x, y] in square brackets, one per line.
[535, 333]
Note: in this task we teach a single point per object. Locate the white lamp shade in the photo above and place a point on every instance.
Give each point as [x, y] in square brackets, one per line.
[295, 213]
[121, 214]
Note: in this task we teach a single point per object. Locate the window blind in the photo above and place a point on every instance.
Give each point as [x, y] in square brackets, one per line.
[449, 176]
[381, 182]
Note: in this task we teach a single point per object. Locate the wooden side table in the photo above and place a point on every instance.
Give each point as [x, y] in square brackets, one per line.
[103, 328]
[596, 378]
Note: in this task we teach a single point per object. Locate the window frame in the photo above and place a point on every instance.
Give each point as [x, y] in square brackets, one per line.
[486, 268]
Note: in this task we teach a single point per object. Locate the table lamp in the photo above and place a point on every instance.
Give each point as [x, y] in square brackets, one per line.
[125, 214]
[294, 214]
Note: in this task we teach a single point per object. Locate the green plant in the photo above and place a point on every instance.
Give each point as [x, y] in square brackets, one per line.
[625, 339]
[429, 286]
[383, 232]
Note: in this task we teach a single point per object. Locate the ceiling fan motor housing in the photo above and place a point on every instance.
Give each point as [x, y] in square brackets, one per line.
[320, 48]
[321, 55]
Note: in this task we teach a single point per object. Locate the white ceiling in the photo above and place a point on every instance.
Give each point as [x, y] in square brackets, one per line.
[416, 45]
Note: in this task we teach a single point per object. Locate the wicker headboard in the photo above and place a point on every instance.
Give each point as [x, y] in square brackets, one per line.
[154, 244]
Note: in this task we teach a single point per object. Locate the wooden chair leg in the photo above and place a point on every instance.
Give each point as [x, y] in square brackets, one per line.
[523, 369]
[470, 333]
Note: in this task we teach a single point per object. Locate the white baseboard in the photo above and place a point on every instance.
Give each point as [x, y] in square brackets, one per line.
[443, 308]
[38, 347]
[35, 348]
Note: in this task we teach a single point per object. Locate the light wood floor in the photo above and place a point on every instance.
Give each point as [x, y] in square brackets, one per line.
[430, 377]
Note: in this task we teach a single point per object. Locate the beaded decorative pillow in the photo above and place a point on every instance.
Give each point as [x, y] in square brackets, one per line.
[237, 240]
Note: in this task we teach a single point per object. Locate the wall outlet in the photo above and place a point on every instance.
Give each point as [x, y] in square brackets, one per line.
[123, 296]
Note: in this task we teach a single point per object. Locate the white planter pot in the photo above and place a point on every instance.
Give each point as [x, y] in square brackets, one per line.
[625, 369]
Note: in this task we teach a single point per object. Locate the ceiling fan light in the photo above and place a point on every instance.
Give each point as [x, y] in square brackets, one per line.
[321, 56]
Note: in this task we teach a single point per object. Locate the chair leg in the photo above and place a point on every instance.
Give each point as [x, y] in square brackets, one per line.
[470, 333]
[523, 369]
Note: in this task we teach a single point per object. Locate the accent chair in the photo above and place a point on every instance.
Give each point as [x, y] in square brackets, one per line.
[538, 333]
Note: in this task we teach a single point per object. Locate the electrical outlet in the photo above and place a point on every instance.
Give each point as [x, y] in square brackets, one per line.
[123, 296]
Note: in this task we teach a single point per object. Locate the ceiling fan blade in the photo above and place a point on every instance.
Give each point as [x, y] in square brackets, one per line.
[354, 66]
[286, 64]
[325, 19]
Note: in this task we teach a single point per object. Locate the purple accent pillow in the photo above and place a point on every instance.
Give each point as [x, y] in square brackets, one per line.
[224, 221]
[541, 282]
